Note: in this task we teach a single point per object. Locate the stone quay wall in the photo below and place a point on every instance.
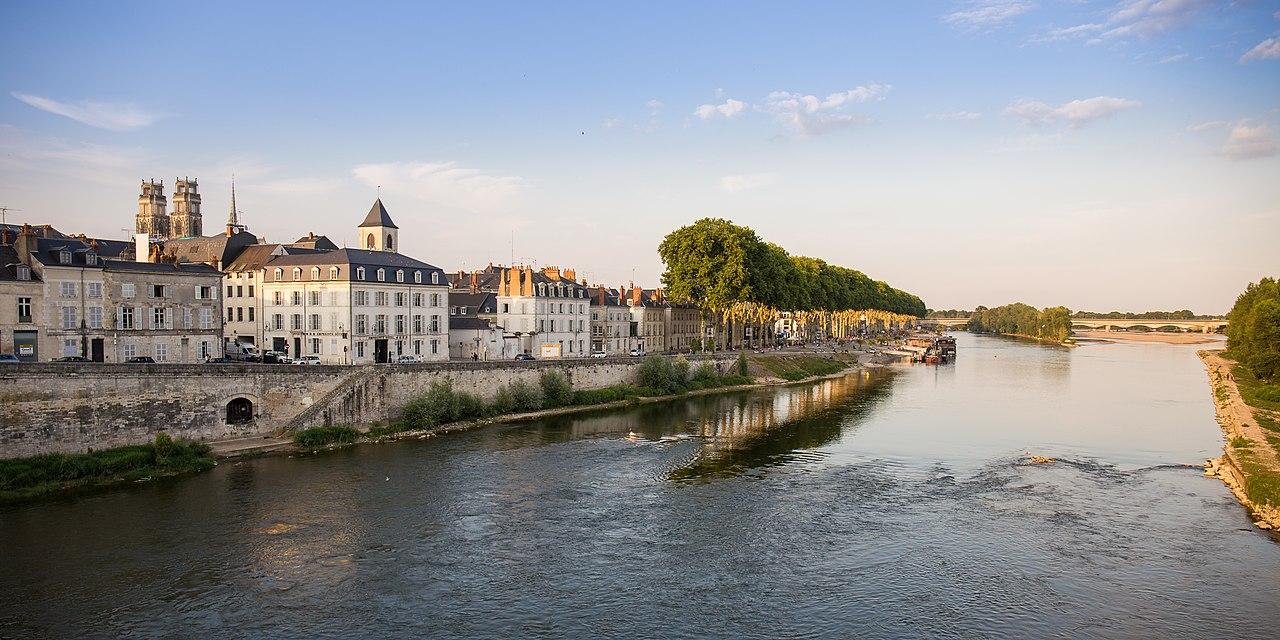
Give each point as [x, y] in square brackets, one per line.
[73, 408]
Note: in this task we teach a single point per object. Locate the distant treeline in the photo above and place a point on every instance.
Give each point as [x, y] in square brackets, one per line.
[1051, 323]
[1184, 314]
[1253, 336]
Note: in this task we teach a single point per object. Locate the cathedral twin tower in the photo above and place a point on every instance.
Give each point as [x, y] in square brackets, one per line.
[184, 222]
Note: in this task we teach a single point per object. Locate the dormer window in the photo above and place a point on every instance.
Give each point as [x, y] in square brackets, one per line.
[24, 272]
[333, 273]
[279, 274]
[399, 275]
[297, 273]
[359, 273]
[91, 258]
[417, 277]
[64, 257]
[382, 275]
[542, 289]
[315, 273]
[435, 278]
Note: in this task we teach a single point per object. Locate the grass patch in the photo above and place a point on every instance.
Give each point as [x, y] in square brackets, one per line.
[794, 368]
[1266, 421]
[317, 437]
[1255, 392]
[1241, 443]
[1261, 484]
[34, 476]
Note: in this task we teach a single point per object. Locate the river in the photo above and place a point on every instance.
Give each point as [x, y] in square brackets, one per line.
[885, 504]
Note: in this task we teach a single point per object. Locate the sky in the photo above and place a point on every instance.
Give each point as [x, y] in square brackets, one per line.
[1103, 155]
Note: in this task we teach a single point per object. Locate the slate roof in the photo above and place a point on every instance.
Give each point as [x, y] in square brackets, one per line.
[255, 256]
[189, 268]
[468, 322]
[313, 241]
[221, 248]
[474, 302]
[378, 217]
[349, 259]
[9, 266]
[47, 250]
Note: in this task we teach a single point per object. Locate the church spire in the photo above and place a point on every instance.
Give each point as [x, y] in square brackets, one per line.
[232, 219]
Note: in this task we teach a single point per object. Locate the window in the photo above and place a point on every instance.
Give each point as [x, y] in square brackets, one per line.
[297, 273]
[380, 324]
[229, 290]
[359, 273]
[204, 350]
[362, 324]
[206, 317]
[313, 322]
[296, 322]
[278, 298]
[542, 289]
[417, 347]
[435, 277]
[382, 275]
[435, 324]
[93, 289]
[162, 352]
[126, 318]
[417, 324]
[239, 291]
[186, 317]
[399, 324]
[68, 317]
[157, 291]
[279, 274]
[435, 347]
[315, 346]
[129, 351]
[435, 299]
[362, 298]
[24, 309]
[315, 297]
[417, 277]
[95, 317]
[70, 347]
[360, 349]
[400, 298]
[453, 311]
[297, 298]
[462, 310]
[67, 289]
[250, 314]
[250, 290]
[370, 242]
[277, 321]
[390, 243]
[333, 273]
[417, 299]
[90, 258]
[24, 272]
[399, 272]
[205, 293]
[159, 320]
[380, 298]
[239, 314]
[315, 273]
[64, 257]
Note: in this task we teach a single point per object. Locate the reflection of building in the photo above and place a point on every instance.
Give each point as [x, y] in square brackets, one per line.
[546, 310]
[356, 305]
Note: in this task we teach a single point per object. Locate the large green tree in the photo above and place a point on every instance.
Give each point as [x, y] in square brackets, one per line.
[1253, 335]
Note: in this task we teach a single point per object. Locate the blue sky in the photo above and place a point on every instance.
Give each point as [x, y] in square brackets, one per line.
[1106, 154]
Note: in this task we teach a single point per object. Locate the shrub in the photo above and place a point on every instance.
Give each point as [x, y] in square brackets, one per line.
[163, 446]
[441, 405]
[680, 372]
[556, 390]
[503, 401]
[655, 372]
[317, 437]
[524, 396]
[742, 365]
[705, 372]
[733, 380]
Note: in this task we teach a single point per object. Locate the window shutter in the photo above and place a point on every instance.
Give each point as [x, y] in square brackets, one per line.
[120, 318]
[168, 320]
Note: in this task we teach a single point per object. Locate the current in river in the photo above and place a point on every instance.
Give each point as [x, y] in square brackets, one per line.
[889, 503]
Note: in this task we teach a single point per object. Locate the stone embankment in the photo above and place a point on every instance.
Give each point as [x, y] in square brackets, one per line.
[1247, 451]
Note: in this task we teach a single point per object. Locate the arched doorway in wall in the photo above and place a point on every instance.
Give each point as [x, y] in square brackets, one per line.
[239, 411]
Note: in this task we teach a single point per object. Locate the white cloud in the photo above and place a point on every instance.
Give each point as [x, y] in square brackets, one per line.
[1076, 113]
[809, 115]
[1177, 57]
[1246, 142]
[1147, 18]
[612, 123]
[1208, 126]
[980, 15]
[744, 182]
[103, 115]
[1268, 49]
[727, 109]
[1066, 33]
[654, 105]
[444, 183]
[955, 115]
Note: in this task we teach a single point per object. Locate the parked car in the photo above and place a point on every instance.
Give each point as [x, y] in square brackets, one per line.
[71, 359]
[9, 358]
[524, 356]
[636, 353]
[409, 358]
[276, 357]
[220, 360]
[307, 360]
[598, 354]
[141, 360]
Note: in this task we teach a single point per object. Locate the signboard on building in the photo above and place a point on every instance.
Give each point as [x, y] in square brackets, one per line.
[549, 351]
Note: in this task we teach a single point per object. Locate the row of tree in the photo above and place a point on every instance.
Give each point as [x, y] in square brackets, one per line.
[720, 265]
[1253, 334]
[1051, 323]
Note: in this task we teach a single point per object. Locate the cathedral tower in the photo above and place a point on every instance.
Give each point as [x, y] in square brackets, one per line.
[151, 218]
[185, 221]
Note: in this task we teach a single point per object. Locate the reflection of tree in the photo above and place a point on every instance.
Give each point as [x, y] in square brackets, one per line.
[769, 430]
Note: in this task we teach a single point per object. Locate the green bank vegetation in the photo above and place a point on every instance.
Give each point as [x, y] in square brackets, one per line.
[1018, 319]
[46, 474]
[1253, 335]
[800, 367]
[317, 437]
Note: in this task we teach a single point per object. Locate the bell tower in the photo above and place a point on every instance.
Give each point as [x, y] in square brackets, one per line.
[378, 232]
[185, 221]
[151, 218]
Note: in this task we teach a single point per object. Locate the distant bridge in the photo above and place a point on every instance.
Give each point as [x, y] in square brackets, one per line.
[1105, 324]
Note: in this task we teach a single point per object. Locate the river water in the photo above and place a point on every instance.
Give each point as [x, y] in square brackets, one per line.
[885, 504]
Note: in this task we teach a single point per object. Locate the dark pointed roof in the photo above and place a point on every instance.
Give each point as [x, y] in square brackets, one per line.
[378, 217]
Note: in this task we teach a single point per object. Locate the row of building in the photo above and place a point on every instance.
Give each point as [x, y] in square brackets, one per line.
[176, 295]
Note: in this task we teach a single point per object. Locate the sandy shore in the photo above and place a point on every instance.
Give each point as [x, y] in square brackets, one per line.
[1238, 463]
[1151, 336]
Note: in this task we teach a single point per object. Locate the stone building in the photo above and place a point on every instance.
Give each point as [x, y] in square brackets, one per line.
[356, 305]
[547, 311]
[649, 312]
[683, 326]
[21, 302]
[612, 330]
[168, 311]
